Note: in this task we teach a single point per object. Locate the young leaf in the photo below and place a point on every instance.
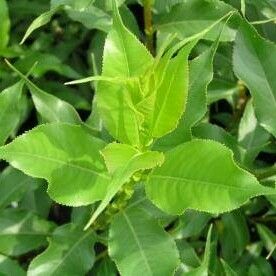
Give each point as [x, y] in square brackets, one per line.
[13, 185]
[40, 21]
[254, 62]
[69, 253]
[171, 95]
[138, 161]
[117, 155]
[76, 175]
[205, 178]
[51, 108]
[22, 231]
[149, 249]
[124, 57]
[10, 267]
[10, 110]
[200, 75]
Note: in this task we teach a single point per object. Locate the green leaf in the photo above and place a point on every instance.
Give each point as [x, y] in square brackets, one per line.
[139, 161]
[202, 270]
[200, 75]
[234, 227]
[22, 231]
[5, 24]
[201, 175]
[76, 174]
[227, 269]
[171, 94]
[11, 100]
[10, 267]
[149, 249]
[91, 17]
[40, 21]
[201, 14]
[124, 57]
[216, 133]
[268, 238]
[51, 108]
[105, 267]
[252, 137]
[254, 62]
[45, 62]
[69, 253]
[13, 185]
[190, 224]
[117, 155]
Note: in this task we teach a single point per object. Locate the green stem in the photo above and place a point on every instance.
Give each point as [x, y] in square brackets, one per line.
[148, 25]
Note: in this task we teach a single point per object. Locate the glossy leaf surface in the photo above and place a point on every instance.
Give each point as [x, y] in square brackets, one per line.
[207, 179]
[149, 250]
[39, 153]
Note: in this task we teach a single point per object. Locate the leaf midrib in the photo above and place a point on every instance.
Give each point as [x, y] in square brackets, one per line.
[183, 179]
[142, 253]
[70, 251]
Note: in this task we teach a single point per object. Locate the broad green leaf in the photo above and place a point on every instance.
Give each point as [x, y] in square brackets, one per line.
[40, 21]
[254, 62]
[216, 133]
[252, 137]
[76, 174]
[137, 162]
[201, 14]
[124, 57]
[70, 252]
[201, 175]
[22, 231]
[51, 108]
[11, 100]
[149, 250]
[10, 267]
[13, 185]
[5, 24]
